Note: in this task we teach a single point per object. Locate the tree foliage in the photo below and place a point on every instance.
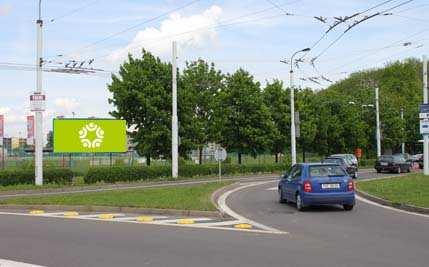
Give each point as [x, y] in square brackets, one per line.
[233, 110]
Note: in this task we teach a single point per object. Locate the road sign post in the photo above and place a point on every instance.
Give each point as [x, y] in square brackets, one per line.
[220, 155]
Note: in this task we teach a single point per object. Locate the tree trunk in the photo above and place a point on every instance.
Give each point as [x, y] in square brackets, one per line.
[239, 158]
[148, 160]
[277, 157]
[200, 156]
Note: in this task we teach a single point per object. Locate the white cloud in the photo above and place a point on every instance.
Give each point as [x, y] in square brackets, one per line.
[158, 40]
[66, 104]
[5, 9]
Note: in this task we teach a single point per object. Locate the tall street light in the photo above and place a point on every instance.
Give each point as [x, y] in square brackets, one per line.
[292, 105]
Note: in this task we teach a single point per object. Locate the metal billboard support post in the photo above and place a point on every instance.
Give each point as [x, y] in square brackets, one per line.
[220, 171]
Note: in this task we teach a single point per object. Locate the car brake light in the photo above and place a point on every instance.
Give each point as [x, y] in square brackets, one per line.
[307, 186]
[350, 186]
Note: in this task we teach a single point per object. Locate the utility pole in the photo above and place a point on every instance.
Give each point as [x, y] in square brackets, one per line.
[292, 106]
[174, 120]
[38, 148]
[425, 101]
[403, 144]
[377, 111]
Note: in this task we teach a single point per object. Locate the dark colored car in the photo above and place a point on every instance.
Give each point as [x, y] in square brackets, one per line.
[347, 165]
[392, 163]
[348, 157]
[310, 184]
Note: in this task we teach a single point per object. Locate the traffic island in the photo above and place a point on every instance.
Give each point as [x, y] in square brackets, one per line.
[409, 192]
[186, 200]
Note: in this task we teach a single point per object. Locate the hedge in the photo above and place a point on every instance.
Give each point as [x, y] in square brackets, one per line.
[126, 173]
[26, 176]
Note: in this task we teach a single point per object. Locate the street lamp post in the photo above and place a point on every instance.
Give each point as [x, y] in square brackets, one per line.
[292, 106]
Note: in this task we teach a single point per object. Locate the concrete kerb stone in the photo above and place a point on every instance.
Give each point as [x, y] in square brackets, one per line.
[400, 206]
[146, 211]
[130, 185]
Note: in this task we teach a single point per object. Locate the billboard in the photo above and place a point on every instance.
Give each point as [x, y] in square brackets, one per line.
[89, 135]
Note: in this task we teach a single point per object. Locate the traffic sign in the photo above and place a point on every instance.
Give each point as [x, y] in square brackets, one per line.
[37, 102]
[424, 126]
[220, 154]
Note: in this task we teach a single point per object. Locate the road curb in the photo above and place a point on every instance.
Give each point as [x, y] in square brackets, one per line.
[388, 203]
[131, 185]
[216, 194]
[148, 211]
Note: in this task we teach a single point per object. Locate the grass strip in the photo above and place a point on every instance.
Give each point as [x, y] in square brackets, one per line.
[194, 197]
[412, 189]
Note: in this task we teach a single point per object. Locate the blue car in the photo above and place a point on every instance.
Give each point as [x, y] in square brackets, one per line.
[310, 184]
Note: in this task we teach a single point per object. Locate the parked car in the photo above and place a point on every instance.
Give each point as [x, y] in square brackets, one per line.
[310, 184]
[347, 165]
[392, 163]
[406, 156]
[350, 157]
[418, 158]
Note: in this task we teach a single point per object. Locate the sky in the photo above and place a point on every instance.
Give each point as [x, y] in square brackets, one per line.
[251, 34]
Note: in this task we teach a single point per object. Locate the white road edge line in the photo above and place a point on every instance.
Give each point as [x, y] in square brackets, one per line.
[390, 208]
[9, 263]
[221, 202]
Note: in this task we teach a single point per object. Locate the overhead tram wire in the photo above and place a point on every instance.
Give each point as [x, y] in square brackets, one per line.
[134, 27]
[357, 23]
[402, 41]
[253, 13]
[74, 11]
[338, 22]
[217, 26]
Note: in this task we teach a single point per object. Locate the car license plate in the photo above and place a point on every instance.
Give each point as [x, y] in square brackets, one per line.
[384, 163]
[330, 186]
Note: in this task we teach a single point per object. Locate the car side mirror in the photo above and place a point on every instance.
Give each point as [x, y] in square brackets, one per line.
[285, 175]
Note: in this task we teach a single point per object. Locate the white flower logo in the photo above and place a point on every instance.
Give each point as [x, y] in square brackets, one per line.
[91, 127]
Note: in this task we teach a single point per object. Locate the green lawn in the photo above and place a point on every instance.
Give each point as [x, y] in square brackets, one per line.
[195, 197]
[412, 189]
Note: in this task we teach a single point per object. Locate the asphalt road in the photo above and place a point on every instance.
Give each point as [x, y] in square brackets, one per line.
[366, 236]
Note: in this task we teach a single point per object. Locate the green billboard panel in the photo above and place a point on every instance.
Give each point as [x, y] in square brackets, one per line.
[89, 135]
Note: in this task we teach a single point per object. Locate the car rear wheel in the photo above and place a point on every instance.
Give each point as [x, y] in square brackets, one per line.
[281, 199]
[299, 205]
[378, 170]
[348, 207]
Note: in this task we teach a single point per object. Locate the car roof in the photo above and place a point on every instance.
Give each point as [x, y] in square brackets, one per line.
[316, 164]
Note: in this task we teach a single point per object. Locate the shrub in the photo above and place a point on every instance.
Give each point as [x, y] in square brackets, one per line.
[136, 173]
[26, 176]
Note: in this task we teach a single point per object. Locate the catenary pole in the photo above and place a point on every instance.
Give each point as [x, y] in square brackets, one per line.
[38, 146]
[174, 120]
[403, 144]
[425, 101]
[377, 111]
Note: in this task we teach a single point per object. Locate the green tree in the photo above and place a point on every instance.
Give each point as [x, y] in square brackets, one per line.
[243, 120]
[200, 84]
[50, 140]
[276, 98]
[141, 94]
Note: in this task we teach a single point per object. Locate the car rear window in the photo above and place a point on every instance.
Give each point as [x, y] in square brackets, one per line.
[326, 170]
[387, 158]
[331, 160]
